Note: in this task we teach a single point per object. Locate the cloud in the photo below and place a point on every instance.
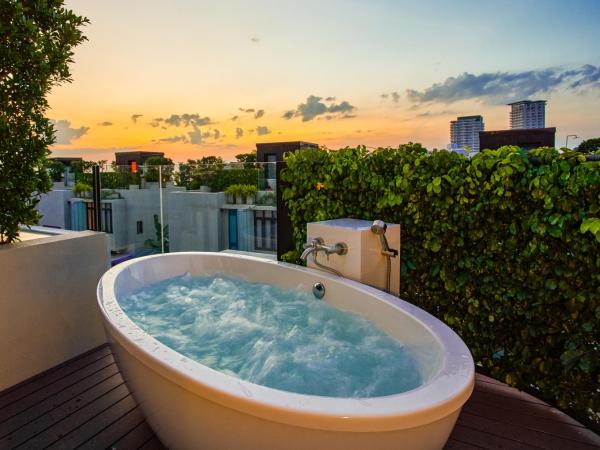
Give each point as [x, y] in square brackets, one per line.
[173, 139]
[259, 113]
[135, 117]
[156, 122]
[503, 87]
[234, 118]
[247, 110]
[261, 131]
[445, 112]
[186, 120]
[255, 40]
[105, 124]
[314, 107]
[393, 95]
[239, 133]
[64, 134]
[330, 99]
[195, 136]
[216, 133]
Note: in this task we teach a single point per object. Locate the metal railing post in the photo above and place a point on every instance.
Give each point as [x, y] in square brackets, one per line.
[96, 187]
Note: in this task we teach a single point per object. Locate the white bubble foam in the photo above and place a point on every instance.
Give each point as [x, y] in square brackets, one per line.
[284, 339]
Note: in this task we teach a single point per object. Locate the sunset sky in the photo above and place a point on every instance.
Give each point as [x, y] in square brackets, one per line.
[196, 78]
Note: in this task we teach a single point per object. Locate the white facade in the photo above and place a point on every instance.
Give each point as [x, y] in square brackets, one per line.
[464, 133]
[528, 114]
[193, 220]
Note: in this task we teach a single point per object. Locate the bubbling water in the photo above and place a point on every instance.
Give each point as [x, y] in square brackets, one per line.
[280, 338]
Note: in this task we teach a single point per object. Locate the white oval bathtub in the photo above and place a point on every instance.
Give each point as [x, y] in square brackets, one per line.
[191, 406]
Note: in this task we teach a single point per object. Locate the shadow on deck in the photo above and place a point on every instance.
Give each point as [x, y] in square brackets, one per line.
[84, 403]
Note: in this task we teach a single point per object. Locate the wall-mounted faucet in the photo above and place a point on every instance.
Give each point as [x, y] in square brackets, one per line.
[317, 245]
[379, 227]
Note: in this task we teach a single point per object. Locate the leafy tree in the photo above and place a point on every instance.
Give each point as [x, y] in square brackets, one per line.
[249, 159]
[198, 172]
[589, 146]
[36, 42]
[152, 164]
[82, 166]
[56, 169]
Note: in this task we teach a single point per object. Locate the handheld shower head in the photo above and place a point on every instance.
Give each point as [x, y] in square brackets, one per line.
[379, 227]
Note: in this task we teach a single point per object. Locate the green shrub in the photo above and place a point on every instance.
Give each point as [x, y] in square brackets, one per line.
[198, 172]
[249, 190]
[56, 169]
[81, 189]
[151, 169]
[267, 199]
[504, 247]
[235, 189]
[111, 180]
[226, 177]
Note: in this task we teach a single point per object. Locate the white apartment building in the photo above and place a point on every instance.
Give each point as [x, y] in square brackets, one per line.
[528, 114]
[464, 133]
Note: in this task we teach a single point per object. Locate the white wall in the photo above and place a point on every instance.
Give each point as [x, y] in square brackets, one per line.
[195, 220]
[54, 210]
[48, 310]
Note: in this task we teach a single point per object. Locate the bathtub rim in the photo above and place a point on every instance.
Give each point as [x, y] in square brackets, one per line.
[433, 401]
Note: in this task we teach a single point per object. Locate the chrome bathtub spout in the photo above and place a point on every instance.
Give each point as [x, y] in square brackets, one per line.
[317, 245]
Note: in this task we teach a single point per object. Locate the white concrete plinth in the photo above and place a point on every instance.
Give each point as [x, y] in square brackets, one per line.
[364, 261]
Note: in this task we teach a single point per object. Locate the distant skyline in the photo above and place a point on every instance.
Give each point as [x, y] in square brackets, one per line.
[196, 78]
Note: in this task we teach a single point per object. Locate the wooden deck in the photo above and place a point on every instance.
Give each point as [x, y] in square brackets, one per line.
[84, 403]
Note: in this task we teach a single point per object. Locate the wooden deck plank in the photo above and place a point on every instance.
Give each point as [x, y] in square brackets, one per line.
[541, 410]
[488, 441]
[135, 438]
[85, 403]
[522, 434]
[48, 377]
[49, 390]
[77, 419]
[153, 444]
[517, 417]
[102, 420]
[115, 431]
[47, 418]
[453, 444]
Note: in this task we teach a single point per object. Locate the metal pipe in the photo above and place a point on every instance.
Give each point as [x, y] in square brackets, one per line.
[379, 227]
[160, 197]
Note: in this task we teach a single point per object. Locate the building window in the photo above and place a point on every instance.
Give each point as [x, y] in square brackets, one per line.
[140, 227]
[265, 230]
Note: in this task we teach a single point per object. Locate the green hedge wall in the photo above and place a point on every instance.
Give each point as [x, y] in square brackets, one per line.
[110, 180]
[224, 178]
[504, 247]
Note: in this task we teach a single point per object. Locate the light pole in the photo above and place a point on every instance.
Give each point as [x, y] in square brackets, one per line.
[567, 140]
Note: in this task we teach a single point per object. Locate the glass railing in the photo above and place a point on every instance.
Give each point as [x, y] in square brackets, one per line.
[159, 209]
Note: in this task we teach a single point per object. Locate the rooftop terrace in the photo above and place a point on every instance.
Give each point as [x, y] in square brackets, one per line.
[85, 403]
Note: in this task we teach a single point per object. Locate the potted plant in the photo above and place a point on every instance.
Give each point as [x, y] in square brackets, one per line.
[250, 193]
[232, 192]
[82, 190]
